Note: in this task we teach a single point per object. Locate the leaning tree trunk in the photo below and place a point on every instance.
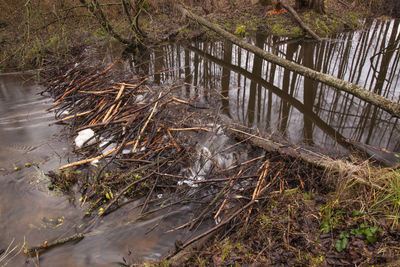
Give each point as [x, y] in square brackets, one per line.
[299, 20]
[317, 5]
[391, 107]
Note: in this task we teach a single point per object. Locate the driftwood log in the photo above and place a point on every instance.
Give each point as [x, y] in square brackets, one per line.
[389, 106]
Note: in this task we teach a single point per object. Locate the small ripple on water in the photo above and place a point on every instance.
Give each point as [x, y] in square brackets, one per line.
[22, 127]
[23, 117]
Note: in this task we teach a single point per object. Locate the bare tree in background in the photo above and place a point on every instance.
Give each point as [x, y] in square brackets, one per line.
[317, 5]
[132, 12]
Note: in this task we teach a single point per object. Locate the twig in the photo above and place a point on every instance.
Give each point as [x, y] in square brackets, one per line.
[33, 250]
[189, 129]
[74, 116]
[112, 107]
[145, 125]
[231, 182]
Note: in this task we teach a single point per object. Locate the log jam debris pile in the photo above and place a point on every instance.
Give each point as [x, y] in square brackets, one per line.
[140, 141]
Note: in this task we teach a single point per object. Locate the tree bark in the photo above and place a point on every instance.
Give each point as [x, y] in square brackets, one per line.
[317, 5]
[299, 20]
[391, 107]
[95, 9]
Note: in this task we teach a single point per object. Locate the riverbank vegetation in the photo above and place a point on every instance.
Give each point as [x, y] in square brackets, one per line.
[32, 32]
[264, 201]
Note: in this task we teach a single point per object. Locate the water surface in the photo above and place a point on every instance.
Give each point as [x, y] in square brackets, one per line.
[260, 94]
[30, 212]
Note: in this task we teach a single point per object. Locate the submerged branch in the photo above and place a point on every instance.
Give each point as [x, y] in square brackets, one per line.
[33, 250]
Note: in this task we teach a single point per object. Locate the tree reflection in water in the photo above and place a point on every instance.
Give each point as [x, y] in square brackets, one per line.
[263, 95]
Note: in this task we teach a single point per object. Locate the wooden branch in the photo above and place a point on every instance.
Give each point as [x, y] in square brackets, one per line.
[391, 107]
[32, 251]
[94, 8]
[145, 125]
[85, 161]
[208, 232]
[181, 258]
[74, 116]
[299, 20]
[106, 117]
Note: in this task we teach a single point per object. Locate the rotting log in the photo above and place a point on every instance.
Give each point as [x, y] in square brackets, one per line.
[299, 20]
[341, 167]
[389, 106]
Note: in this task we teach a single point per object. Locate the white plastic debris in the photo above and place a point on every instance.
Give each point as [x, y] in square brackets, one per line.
[83, 136]
[104, 142]
[64, 112]
[218, 220]
[126, 151]
[94, 162]
[139, 98]
[140, 149]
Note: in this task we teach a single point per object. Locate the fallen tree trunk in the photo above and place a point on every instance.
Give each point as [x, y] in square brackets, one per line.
[391, 107]
[340, 167]
[299, 20]
[356, 147]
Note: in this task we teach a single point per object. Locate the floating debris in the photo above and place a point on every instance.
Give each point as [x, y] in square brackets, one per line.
[83, 137]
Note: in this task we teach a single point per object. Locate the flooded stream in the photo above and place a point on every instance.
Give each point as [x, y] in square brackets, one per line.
[249, 90]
